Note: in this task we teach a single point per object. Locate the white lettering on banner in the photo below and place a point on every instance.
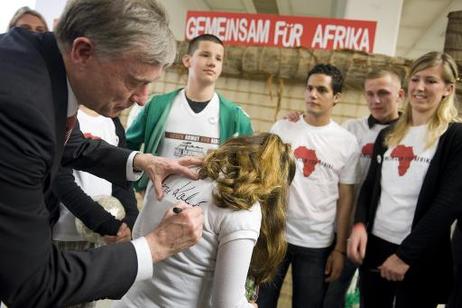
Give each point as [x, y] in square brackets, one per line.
[242, 30]
[191, 30]
[289, 34]
[364, 45]
[341, 37]
[236, 29]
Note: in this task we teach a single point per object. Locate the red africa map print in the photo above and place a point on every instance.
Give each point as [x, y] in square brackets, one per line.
[309, 158]
[367, 149]
[405, 156]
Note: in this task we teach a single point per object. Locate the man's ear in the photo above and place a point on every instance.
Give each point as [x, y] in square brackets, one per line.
[186, 60]
[449, 89]
[337, 97]
[401, 96]
[82, 50]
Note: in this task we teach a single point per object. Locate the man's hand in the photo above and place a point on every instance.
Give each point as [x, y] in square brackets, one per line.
[334, 265]
[124, 234]
[176, 232]
[393, 268]
[158, 168]
[356, 247]
[293, 116]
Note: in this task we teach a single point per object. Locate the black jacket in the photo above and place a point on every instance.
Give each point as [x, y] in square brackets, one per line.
[88, 210]
[33, 108]
[427, 247]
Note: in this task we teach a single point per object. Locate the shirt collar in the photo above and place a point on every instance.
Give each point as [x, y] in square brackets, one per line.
[72, 104]
[371, 121]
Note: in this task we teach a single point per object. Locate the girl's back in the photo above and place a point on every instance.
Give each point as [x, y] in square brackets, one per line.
[223, 253]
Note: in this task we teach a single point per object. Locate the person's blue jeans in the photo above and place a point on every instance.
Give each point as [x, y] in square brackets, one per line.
[308, 279]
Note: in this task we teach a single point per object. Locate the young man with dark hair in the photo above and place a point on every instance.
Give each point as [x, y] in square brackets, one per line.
[195, 42]
[321, 194]
[192, 120]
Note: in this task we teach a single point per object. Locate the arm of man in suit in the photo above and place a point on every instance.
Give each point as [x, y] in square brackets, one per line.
[126, 196]
[97, 157]
[110, 162]
[33, 272]
[89, 211]
[82, 205]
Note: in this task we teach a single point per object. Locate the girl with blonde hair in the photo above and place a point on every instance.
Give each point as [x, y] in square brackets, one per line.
[243, 194]
[411, 195]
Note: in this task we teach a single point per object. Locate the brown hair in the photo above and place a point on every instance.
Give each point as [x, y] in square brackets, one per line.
[254, 169]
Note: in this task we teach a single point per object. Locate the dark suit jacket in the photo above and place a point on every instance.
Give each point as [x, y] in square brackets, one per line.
[88, 210]
[427, 248]
[33, 107]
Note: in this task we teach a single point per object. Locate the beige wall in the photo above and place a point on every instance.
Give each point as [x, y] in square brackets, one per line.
[260, 98]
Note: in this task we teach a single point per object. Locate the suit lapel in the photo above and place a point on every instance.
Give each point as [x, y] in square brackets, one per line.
[55, 65]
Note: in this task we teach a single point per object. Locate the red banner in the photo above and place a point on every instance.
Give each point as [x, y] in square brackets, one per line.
[283, 31]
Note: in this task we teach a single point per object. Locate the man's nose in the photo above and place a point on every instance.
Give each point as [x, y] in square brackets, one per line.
[141, 95]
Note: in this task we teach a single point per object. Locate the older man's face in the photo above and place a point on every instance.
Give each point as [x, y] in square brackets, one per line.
[109, 85]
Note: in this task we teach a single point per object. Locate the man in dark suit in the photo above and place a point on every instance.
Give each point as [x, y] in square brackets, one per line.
[109, 51]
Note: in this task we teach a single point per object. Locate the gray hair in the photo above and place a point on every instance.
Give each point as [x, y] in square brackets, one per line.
[116, 27]
[23, 11]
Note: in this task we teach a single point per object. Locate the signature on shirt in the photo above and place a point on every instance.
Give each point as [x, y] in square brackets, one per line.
[186, 192]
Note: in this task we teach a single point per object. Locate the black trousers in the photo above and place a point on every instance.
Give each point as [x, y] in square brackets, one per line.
[377, 292]
[455, 300]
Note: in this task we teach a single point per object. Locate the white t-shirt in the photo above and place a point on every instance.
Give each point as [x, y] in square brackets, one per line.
[366, 138]
[325, 156]
[188, 133]
[403, 170]
[98, 127]
[209, 274]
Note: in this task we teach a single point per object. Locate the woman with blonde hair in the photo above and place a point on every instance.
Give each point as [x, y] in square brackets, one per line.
[28, 19]
[411, 196]
[243, 194]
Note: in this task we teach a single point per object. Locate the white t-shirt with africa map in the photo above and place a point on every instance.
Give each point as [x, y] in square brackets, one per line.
[366, 138]
[403, 170]
[325, 156]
